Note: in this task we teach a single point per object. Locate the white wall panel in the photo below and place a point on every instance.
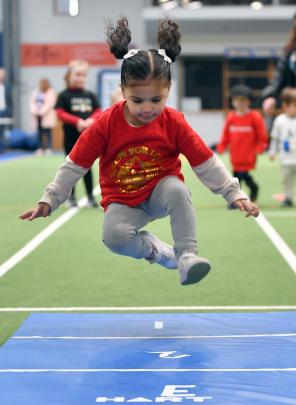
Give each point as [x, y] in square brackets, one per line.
[40, 25]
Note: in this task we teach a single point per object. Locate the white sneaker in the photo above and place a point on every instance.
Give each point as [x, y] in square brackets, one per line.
[192, 268]
[91, 203]
[71, 202]
[39, 152]
[164, 254]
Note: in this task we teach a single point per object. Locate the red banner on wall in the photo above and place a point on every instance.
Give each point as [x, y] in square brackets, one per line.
[61, 54]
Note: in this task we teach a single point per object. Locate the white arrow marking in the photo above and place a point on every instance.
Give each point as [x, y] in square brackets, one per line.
[168, 355]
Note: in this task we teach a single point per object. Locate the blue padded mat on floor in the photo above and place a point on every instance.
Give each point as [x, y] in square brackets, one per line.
[214, 358]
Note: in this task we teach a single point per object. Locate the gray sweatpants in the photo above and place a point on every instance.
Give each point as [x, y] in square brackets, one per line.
[169, 197]
[288, 178]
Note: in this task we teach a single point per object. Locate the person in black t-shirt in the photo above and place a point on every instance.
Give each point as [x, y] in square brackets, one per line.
[77, 108]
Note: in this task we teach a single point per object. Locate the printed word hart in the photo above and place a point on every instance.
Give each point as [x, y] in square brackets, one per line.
[170, 393]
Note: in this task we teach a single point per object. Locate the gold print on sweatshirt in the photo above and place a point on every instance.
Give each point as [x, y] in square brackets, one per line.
[134, 167]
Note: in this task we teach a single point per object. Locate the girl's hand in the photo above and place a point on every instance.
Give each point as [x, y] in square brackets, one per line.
[89, 122]
[42, 210]
[246, 205]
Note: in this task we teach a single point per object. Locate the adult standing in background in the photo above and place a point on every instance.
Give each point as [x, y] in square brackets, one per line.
[5, 107]
[285, 73]
[77, 107]
[42, 105]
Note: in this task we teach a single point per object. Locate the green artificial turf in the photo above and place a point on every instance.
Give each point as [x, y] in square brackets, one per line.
[74, 269]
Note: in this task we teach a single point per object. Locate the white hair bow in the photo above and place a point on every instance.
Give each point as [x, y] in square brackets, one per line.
[131, 53]
[164, 55]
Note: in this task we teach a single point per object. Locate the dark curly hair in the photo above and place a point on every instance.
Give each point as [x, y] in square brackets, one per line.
[149, 64]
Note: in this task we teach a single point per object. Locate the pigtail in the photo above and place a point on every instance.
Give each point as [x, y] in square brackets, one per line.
[118, 37]
[169, 37]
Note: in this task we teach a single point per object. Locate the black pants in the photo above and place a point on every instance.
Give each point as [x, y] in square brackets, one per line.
[2, 140]
[44, 135]
[248, 179]
[88, 178]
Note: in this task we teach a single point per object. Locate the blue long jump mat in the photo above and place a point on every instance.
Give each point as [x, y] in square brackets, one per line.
[213, 358]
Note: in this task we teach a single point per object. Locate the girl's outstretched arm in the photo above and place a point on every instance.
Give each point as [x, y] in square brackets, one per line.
[250, 208]
[42, 210]
[57, 191]
[216, 177]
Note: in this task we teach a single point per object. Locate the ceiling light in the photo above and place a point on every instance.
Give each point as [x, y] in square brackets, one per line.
[73, 8]
[168, 4]
[193, 4]
[256, 5]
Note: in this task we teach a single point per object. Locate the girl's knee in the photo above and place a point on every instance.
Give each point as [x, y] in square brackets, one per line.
[117, 237]
[177, 191]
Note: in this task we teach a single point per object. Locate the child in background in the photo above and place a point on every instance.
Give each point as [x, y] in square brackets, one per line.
[77, 108]
[245, 136]
[42, 105]
[116, 95]
[138, 142]
[283, 142]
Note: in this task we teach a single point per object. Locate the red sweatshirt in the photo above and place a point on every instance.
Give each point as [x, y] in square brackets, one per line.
[134, 159]
[245, 136]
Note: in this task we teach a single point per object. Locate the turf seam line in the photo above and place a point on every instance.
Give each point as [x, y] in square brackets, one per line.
[145, 309]
[42, 236]
[280, 214]
[277, 241]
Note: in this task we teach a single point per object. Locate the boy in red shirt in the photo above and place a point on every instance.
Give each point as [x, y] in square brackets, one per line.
[245, 136]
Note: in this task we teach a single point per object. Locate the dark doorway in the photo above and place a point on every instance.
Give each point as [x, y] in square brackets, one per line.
[203, 79]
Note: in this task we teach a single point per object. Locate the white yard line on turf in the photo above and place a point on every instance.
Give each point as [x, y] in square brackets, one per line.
[42, 236]
[141, 370]
[261, 335]
[277, 241]
[157, 309]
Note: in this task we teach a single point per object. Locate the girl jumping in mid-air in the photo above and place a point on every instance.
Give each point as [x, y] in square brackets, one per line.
[138, 142]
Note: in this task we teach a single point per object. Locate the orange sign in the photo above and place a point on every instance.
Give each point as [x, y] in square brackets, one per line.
[61, 54]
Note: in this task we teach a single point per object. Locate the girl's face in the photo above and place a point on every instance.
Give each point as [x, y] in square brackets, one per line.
[44, 85]
[77, 78]
[145, 100]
